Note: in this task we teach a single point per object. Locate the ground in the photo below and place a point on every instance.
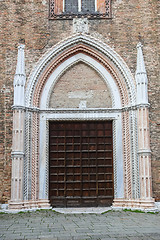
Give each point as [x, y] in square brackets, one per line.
[48, 224]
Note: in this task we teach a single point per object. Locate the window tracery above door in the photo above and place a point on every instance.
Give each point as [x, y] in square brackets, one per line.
[68, 9]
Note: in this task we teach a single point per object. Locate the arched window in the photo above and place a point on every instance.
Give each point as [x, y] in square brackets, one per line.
[67, 9]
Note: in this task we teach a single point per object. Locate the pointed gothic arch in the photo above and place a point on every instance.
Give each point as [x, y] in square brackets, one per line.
[89, 46]
[118, 78]
[121, 83]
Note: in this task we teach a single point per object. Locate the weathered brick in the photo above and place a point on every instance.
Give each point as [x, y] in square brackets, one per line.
[28, 21]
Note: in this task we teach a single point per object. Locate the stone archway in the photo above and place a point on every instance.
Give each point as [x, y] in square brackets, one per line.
[38, 112]
[82, 114]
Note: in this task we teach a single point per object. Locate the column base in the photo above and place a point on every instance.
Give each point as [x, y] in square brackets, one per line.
[27, 205]
[142, 204]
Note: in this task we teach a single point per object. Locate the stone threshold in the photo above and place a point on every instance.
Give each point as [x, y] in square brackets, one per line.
[85, 210]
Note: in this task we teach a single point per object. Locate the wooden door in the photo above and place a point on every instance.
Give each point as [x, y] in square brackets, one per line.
[81, 163]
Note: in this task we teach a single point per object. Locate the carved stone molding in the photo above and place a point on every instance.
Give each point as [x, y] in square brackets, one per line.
[123, 97]
[87, 41]
[117, 145]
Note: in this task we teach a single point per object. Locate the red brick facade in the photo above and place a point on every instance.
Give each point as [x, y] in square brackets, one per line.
[27, 21]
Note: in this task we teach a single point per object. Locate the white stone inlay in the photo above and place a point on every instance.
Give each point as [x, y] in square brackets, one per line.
[81, 94]
[80, 25]
[82, 104]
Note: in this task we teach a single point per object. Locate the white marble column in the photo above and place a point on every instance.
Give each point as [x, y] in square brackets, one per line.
[145, 200]
[18, 133]
[144, 151]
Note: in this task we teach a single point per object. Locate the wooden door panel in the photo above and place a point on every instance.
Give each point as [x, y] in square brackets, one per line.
[81, 164]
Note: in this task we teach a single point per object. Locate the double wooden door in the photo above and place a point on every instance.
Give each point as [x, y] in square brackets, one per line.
[81, 163]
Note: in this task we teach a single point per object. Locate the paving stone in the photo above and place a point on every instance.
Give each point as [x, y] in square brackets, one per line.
[48, 238]
[80, 227]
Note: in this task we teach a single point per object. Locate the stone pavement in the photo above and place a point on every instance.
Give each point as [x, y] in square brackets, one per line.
[48, 224]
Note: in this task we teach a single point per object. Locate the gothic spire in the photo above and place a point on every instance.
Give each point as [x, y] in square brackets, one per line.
[141, 77]
[19, 78]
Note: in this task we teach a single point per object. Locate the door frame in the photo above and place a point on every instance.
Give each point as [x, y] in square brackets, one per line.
[121, 84]
[115, 113]
[80, 115]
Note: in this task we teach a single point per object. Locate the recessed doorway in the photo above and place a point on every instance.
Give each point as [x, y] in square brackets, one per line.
[81, 163]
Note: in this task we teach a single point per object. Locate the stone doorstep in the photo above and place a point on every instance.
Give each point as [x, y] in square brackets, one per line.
[94, 210]
[154, 210]
[87, 210]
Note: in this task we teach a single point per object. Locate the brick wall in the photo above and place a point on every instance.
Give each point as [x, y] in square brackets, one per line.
[27, 20]
[80, 84]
